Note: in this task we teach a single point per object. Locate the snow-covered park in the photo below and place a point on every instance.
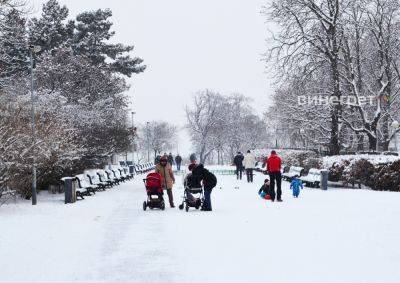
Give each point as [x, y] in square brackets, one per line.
[339, 235]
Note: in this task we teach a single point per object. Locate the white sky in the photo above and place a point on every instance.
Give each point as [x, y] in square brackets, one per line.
[188, 46]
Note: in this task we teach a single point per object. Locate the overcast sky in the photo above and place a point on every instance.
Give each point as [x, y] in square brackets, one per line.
[188, 46]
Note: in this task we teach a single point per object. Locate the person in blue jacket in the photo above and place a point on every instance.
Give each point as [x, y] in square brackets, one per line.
[295, 186]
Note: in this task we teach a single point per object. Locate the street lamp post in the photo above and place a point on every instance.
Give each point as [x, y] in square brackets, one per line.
[32, 50]
[396, 128]
[148, 140]
[133, 142]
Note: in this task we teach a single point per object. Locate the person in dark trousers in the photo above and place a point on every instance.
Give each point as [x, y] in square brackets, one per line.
[209, 182]
[168, 179]
[238, 161]
[178, 161]
[274, 163]
[249, 163]
[170, 159]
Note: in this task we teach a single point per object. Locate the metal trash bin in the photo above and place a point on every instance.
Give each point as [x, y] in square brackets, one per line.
[324, 179]
[69, 189]
[132, 169]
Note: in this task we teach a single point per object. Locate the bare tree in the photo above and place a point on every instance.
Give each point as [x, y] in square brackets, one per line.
[310, 37]
[222, 125]
[157, 136]
[204, 120]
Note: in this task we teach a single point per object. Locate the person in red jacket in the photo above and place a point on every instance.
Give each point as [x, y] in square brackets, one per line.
[274, 170]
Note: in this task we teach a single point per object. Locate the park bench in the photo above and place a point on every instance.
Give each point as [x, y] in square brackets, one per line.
[128, 173]
[293, 171]
[223, 171]
[261, 167]
[138, 169]
[112, 175]
[312, 179]
[118, 175]
[81, 189]
[84, 186]
[103, 177]
[94, 180]
[6, 194]
[122, 174]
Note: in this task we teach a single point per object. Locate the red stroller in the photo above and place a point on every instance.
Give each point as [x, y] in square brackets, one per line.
[154, 189]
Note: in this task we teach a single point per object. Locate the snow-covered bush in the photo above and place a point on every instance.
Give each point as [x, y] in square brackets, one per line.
[377, 176]
[387, 177]
[337, 170]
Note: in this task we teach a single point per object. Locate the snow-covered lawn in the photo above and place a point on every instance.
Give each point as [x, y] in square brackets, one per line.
[333, 236]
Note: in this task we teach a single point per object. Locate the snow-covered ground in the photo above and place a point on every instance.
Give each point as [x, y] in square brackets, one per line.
[324, 236]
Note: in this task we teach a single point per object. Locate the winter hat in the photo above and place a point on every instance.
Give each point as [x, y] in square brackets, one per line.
[273, 152]
[163, 158]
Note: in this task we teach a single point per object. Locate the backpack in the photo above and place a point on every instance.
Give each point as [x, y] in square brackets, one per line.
[210, 179]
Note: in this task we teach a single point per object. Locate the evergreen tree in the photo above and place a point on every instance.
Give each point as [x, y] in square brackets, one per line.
[13, 46]
[93, 32]
[51, 30]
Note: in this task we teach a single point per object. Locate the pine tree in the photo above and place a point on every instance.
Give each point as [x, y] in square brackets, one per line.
[51, 30]
[93, 32]
[13, 52]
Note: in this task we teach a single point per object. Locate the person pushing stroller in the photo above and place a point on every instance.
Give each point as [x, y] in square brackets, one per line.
[168, 179]
[209, 182]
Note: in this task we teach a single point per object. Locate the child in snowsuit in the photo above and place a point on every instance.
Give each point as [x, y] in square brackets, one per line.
[295, 186]
[265, 192]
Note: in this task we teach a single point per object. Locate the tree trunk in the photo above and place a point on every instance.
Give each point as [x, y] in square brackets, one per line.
[360, 142]
[334, 145]
[372, 142]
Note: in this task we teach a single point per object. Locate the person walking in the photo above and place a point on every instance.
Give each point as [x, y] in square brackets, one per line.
[168, 179]
[209, 182]
[157, 159]
[178, 161]
[274, 163]
[249, 162]
[170, 159]
[238, 161]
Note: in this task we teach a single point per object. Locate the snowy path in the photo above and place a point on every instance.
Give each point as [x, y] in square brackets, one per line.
[334, 236]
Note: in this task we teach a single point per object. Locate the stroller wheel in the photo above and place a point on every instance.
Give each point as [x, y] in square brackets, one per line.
[187, 208]
[181, 206]
[144, 206]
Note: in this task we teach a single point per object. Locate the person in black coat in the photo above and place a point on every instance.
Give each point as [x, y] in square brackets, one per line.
[238, 161]
[209, 182]
[170, 159]
[178, 161]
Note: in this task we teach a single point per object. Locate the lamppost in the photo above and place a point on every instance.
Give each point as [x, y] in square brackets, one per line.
[33, 49]
[133, 141]
[148, 140]
[302, 132]
[396, 128]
